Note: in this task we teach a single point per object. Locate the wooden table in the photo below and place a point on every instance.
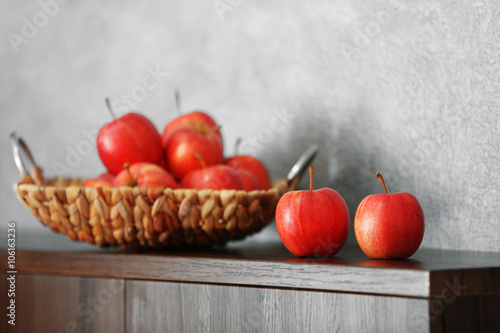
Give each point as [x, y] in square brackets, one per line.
[249, 286]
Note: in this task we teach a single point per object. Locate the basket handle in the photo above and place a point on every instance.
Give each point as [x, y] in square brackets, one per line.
[22, 154]
[302, 164]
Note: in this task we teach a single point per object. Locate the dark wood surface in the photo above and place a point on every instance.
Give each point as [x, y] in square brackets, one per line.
[469, 314]
[217, 308]
[427, 273]
[67, 304]
[250, 286]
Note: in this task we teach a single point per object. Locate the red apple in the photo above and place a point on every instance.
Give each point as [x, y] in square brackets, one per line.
[129, 139]
[103, 180]
[254, 166]
[145, 175]
[96, 182]
[106, 176]
[183, 144]
[188, 120]
[389, 226]
[216, 177]
[314, 222]
[250, 183]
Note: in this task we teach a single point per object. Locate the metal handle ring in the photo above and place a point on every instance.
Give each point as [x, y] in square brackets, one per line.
[303, 163]
[21, 154]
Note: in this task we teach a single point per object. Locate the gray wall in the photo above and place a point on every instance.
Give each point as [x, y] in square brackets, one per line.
[411, 90]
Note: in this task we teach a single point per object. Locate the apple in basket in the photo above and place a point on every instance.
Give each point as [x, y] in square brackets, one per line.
[188, 120]
[129, 139]
[313, 222]
[105, 179]
[184, 143]
[144, 175]
[216, 177]
[251, 170]
[95, 182]
[250, 183]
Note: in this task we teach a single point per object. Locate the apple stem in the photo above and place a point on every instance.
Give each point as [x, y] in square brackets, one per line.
[237, 144]
[127, 167]
[177, 95]
[202, 161]
[311, 177]
[379, 176]
[110, 109]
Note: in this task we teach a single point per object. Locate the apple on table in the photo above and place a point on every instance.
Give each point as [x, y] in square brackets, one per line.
[389, 226]
[312, 222]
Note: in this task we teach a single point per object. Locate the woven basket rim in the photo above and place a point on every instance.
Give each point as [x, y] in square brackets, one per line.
[278, 184]
[139, 217]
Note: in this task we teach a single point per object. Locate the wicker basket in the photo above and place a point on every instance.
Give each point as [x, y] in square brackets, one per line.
[134, 217]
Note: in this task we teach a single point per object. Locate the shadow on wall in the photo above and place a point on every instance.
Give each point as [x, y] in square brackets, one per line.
[350, 153]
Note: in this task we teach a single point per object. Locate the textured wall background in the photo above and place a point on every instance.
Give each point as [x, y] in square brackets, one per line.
[411, 90]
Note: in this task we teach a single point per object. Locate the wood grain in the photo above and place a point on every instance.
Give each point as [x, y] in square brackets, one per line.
[473, 313]
[427, 274]
[254, 289]
[47, 303]
[241, 272]
[185, 307]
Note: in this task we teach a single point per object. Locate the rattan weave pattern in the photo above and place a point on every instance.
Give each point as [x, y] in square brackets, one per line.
[134, 217]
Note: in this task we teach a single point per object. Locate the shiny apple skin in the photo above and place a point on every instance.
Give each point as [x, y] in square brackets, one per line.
[129, 139]
[96, 182]
[389, 226]
[185, 143]
[216, 177]
[146, 175]
[250, 183]
[312, 222]
[252, 165]
[186, 120]
[106, 176]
